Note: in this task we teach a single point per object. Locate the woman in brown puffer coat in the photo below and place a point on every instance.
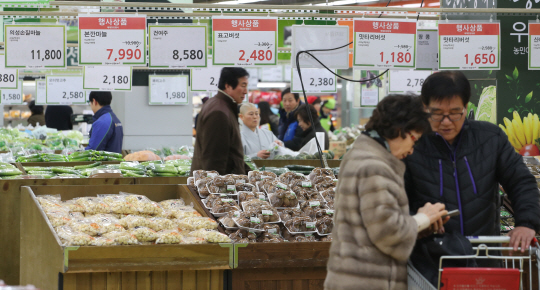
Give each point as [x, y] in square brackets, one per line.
[374, 233]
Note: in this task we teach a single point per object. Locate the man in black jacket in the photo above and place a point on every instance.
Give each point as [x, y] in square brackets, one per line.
[462, 164]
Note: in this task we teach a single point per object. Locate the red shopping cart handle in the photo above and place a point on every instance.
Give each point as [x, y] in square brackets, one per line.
[476, 278]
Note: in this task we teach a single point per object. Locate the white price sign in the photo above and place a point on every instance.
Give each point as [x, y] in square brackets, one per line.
[385, 43]
[165, 51]
[287, 73]
[534, 45]
[427, 49]
[107, 78]
[244, 41]
[8, 76]
[169, 90]
[35, 46]
[316, 80]
[253, 79]
[65, 90]
[41, 92]
[112, 39]
[469, 46]
[406, 81]
[12, 96]
[205, 79]
[272, 74]
[308, 37]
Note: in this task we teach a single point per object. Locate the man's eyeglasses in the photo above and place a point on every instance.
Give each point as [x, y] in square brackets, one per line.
[452, 117]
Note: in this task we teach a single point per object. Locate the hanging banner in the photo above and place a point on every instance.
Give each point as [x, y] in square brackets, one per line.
[112, 39]
[427, 47]
[106, 78]
[401, 81]
[35, 46]
[165, 51]
[205, 79]
[309, 37]
[168, 90]
[65, 90]
[41, 92]
[385, 44]
[469, 46]
[244, 41]
[8, 76]
[316, 80]
[534, 45]
[12, 96]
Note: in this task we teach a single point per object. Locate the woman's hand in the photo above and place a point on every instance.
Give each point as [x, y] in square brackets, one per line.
[435, 212]
[279, 143]
[264, 154]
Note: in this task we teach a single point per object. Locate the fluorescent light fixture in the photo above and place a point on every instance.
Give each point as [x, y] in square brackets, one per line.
[239, 2]
[271, 85]
[344, 2]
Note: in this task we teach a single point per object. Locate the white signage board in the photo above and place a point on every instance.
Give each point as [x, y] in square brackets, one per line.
[35, 46]
[41, 92]
[165, 51]
[107, 78]
[168, 89]
[8, 76]
[316, 80]
[12, 96]
[253, 79]
[308, 37]
[534, 45]
[401, 81]
[205, 79]
[427, 49]
[65, 90]
[272, 74]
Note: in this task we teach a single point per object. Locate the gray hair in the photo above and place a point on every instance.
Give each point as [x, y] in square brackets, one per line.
[246, 107]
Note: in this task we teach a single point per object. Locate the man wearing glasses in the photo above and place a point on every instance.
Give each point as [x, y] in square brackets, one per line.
[462, 164]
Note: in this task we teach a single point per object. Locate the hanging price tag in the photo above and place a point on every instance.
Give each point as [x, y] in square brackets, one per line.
[427, 49]
[534, 45]
[307, 37]
[112, 39]
[385, 43]
[370, 90]
[316, 80]
[287, 73]
[169, 90]
[253, 79]
[107, 78]
[272, 74]
[41, 92]
[65, 90]
[35, 46]
[469, 46]
[244, 41]
[401, 81]
[165, 51]
[8, 76]
[205, 79]
[12, 96]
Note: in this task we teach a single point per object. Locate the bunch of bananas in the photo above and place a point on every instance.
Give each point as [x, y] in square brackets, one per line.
[522, 134]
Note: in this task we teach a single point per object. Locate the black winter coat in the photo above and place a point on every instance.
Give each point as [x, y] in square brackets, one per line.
[467, 176]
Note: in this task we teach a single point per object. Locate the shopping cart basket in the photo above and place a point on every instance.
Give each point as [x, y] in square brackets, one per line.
[509, 277]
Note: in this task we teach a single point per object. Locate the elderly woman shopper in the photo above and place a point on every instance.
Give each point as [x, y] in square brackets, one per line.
[255, 141]
[374, 233]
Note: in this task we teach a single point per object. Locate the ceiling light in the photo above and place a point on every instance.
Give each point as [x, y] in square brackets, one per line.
[239, 2]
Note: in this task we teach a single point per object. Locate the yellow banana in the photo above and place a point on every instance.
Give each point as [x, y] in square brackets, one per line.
[511, 136]
[503, 128]
[535, 127]
[518, 131]
[531, 121]
[527, 130]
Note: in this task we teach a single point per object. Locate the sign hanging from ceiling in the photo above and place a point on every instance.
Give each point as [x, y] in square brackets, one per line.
[8, 76]
[112, 39]
[244, 41]
[385, 44]
[165, 51]
[309, 37]
[65, 90]
[205, 79]
[35, 46]
[169, 90]
[469, 45]
[534, 45]
[12, 96]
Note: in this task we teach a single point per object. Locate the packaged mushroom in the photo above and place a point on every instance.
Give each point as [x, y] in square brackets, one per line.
[312, 206]
[325, 185]
[222, 184]
[87, 226]
[245, 187]
[272, 229]
[191, 181]
[215, 199]
[195, 223]
[244, 236]
[227, 220]
[269, 213]
[122, 238]
[240, 178]
[200, 174]
[118, 204]
[273, 186]
[283, 198]
[269, 238]
[326, 239]
[290, 177]
[93, 205]
[325, 225]
[255, 176]
[132, 221]
[144, 234]
[321, 179]
[329, 194]
[73, 237]
[184, 212]
[159, 224]
[245, 196]
[107, 223]
[143, 204]
[73, 206]
[202, 187]
[250, 220]
[301, 225]
[58, 218]
[102, 241]
[172, 204]
[210, 236]
[288, 214]
[170, 236]
[321, 172]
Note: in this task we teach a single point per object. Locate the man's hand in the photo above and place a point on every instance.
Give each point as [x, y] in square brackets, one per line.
[521, 237]
[264, 154]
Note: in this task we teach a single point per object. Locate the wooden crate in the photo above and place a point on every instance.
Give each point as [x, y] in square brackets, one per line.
[304, 278]
[161, 180]
[309, 162]
[10, 217]
[150, 266]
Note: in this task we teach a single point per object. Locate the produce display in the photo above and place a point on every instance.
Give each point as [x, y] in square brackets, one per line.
[523, 134]
[41, 140]
[266, 207]
[9, 171]
[77, 156]
[127, 219]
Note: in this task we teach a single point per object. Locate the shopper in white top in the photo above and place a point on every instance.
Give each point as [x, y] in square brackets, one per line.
[255, 141]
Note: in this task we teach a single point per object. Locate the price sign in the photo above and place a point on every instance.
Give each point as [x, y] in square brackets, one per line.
[272, 74]
[316, 80]
[12, 96]
[65, 90]
[469, 46]
[107, 78]
[534, 45]
[8, 76]
[41, 92]
[35, 46]
[406, 81]
[112, 39]
[165, 51]
[169, 90]
[427, 53]
[205, 79]
[244, 41]
[287, 73]
[253, 79]
[369, 91]
[385, 44]
[308, 37]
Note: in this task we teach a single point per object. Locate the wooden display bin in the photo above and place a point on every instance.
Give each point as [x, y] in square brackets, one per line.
[282, 163]
[47, 264]
[280, 266]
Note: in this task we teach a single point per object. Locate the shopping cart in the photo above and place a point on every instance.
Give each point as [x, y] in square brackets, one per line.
[509, 277]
